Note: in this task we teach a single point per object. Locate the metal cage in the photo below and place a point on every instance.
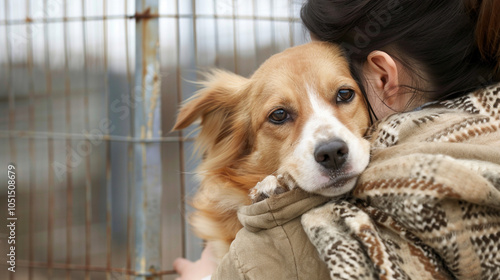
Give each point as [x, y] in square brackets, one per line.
[89, 91]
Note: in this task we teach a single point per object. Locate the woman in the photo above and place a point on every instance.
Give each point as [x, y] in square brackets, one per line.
[425, 208]
[406, 53]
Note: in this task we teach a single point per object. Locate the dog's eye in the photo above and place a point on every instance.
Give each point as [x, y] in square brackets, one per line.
[345, 95]
[279, 116]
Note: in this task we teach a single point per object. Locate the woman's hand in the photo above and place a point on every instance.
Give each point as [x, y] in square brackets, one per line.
[203, 267]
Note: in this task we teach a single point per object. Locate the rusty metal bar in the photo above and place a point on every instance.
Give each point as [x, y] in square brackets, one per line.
[235, 39]
[32, 179]
[290, 22]
[56, 93]
[195, 32]
[216, 35]
[273, 27]
[69, 178]
[255, 30]
[10, 91]
[30, 134]
[181, 142]
[50, 143]
[194, 22]
[88, 175]
[108, 147]
[115, 17]
[130, 151]
[147, 161]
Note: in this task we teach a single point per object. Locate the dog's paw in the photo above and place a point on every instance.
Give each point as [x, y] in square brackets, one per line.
[271, 185]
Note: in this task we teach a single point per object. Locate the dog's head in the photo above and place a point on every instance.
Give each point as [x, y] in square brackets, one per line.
[301, 114]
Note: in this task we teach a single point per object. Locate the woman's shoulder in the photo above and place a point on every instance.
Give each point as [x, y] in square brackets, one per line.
[468, 118]
[482, 101]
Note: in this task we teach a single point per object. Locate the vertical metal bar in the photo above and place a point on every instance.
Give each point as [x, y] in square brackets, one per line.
[130, 147]
[108, 145]
[195, 46]
[195, 36]
[50, 143]
[256, 30]
[88, 176]
[216, 33]
[69, 179]
[32, 179]
[273, 28]
[147, 163]
[235, 39]
[10, 90]
[181, 141]
[291, 23]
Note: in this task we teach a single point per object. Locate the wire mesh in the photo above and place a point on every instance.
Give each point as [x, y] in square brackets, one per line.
[68, 112]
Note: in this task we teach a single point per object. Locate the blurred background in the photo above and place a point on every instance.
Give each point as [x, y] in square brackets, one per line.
[67, 77]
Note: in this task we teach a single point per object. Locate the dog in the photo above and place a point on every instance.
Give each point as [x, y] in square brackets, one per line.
[299, 118]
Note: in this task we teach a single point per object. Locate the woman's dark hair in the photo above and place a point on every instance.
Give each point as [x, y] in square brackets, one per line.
[455, 42]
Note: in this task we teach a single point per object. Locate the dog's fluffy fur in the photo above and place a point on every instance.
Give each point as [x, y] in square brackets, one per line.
[242, 143]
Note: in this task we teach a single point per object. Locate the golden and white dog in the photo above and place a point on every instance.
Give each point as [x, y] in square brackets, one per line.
[300, 116]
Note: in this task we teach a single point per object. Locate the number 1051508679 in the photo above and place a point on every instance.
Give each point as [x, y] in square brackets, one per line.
[11, 189]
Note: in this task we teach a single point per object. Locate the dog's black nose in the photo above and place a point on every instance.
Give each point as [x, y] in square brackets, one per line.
[331, 155]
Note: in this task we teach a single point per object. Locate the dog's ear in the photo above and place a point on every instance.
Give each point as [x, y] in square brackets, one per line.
[221, 90]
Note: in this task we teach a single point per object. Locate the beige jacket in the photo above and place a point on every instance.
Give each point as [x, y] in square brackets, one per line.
[272, 245]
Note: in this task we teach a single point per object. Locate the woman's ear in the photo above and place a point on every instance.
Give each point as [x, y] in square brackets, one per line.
[381, 72]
